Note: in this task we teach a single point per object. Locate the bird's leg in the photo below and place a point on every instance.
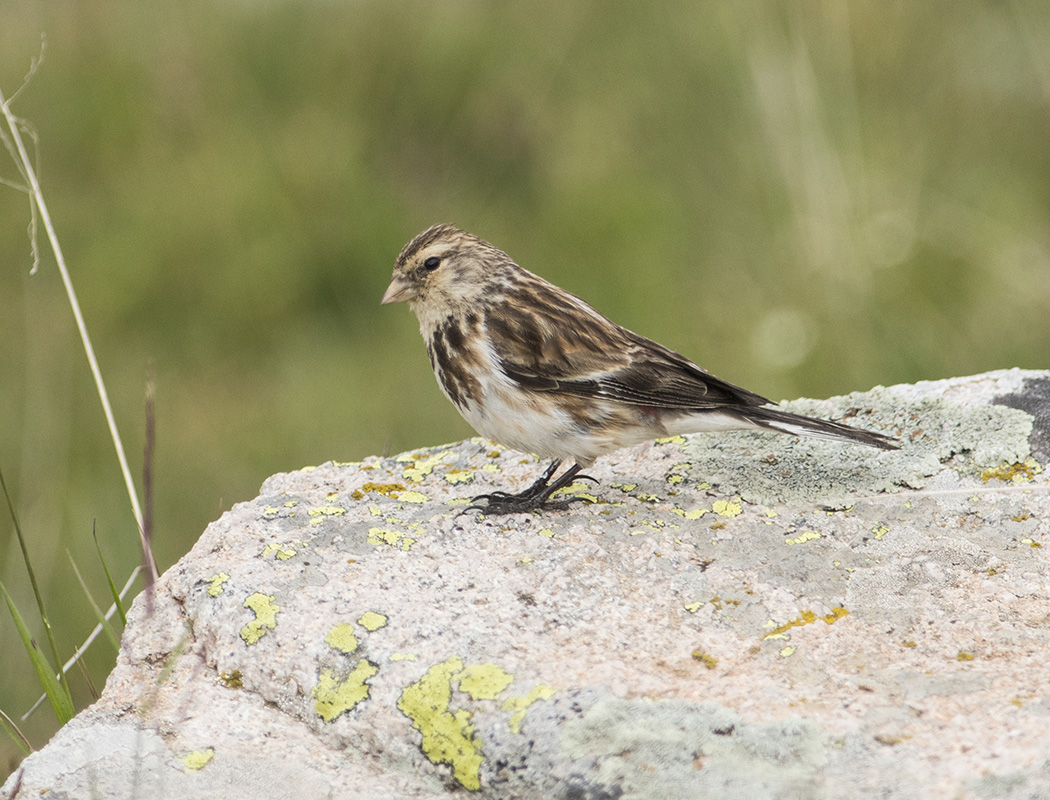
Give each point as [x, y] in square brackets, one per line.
[533, 497]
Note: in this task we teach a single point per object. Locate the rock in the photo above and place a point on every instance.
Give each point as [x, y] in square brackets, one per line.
[740, 615]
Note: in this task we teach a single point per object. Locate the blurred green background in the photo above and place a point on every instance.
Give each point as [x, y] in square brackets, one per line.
[806, 198]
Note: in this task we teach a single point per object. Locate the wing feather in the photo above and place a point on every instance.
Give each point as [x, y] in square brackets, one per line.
[549, 341]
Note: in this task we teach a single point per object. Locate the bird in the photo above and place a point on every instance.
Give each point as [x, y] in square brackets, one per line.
[536, 369]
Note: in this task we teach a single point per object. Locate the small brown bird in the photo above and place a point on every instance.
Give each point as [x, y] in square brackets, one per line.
[537, 369]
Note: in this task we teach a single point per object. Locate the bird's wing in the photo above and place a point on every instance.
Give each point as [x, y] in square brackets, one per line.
[557, 344]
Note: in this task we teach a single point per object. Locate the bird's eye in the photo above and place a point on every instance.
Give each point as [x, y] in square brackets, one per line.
[432, 263]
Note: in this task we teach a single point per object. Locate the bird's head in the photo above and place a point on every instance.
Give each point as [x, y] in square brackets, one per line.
[443, 269]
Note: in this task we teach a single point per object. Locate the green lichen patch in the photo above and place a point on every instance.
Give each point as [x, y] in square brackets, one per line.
[727, 508]
[232, 679]
[808, 618]
[448, 737]
[390, 536]
[319, 513]
[216, 584]
[694, 513]
[484, 681]
[576, 489]
[265, 616]
[333, 697]
[342, 638]
[372, 620]
[413, 497]
[422, 467]
[279, 552]
[802, 538]
[196, 760]
[519, 705]
[459, 476]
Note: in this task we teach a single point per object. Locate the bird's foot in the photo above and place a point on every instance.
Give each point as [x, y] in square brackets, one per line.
[499, 503]
[537, 496]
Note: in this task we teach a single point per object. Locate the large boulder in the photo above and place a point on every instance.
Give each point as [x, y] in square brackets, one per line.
[741, 615]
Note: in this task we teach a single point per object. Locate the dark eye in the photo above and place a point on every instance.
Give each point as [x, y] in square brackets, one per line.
[432, 263]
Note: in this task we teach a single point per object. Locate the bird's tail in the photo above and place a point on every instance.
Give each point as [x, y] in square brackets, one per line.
[776, 420]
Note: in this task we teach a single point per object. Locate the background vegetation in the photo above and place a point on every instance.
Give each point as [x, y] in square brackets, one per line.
[808, 198]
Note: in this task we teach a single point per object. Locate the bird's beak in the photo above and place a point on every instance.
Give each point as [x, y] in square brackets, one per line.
[398, 291]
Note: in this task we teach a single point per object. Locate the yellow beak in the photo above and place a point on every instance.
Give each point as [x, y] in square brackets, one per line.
[398, 291]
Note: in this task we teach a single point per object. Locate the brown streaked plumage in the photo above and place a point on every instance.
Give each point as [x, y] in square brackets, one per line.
[535, 368]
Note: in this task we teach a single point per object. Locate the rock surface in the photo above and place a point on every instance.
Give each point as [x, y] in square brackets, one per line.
[737, 616]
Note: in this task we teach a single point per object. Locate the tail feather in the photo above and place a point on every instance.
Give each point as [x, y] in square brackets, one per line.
[785, 422]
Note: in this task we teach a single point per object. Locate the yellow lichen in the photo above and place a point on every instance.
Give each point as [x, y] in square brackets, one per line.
[342, 638]
[576, 489]
[802, 538]
[727, 508]
[378, 536]
[232, 679]
[372, 621]
[215, 584]
[706, 659]
[880, 530]
[422, 467]
[333, 697]
[458, 476]
[448, 738]
[196, 760]
[519, 705]
[807, 618]
[484, 681]
[326, 511]
[1014, 473]
[387, 489]
[278, 552]
[695, 513]
[265, 616]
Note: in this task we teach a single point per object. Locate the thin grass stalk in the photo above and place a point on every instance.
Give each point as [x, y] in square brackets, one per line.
[16, 734]
[110, 633]
[26, 168]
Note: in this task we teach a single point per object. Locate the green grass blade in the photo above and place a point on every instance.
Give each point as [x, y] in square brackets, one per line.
[99, 615]
[16, 734]
[57, 692]
[112, 586]
[33, 583]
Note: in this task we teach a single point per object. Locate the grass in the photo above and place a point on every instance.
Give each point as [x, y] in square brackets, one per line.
[51, 674]
[807, 198]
